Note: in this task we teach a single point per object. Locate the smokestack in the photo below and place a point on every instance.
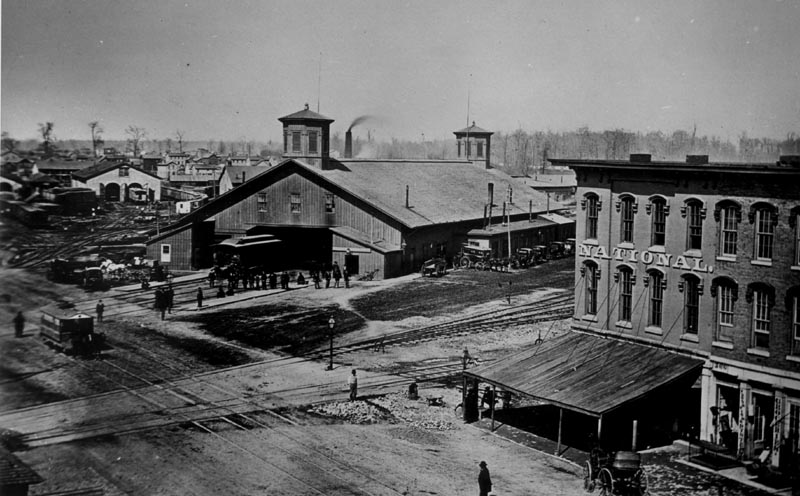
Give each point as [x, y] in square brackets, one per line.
[348, 144]
[407, 196]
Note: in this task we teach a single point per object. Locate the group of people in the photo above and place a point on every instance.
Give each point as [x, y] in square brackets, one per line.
[336, 273]
[164, 298]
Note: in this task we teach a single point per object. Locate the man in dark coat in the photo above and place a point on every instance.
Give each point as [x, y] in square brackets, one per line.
[161, 304]
[484, 480]
[337, 274]
[19, 324]
[200, 297]
[169, 296]
[99, 309]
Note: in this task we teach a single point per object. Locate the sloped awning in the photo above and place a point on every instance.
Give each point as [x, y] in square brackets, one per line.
[248, 241]
[587, 373]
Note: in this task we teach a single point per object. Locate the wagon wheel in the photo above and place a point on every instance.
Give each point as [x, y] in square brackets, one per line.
[464, 263]
[606, 482]
[639, 485]
[588, 481]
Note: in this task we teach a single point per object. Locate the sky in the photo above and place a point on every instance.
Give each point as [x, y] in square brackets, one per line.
[229, 69]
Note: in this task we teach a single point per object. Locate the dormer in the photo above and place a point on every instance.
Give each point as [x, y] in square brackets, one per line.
[474, 144]
[306, 137]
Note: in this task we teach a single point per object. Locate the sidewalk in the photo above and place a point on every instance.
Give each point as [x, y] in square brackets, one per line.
[211, 300]
[199, 276]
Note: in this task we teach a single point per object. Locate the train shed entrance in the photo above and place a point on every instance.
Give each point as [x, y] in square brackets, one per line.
[301, 247]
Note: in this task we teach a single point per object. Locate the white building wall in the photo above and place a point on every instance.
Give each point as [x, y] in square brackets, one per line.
[134, 177]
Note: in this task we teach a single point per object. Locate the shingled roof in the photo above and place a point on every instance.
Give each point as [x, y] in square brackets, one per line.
[13, 472]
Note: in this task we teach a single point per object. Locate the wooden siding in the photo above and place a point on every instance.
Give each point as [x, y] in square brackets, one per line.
[181, 250]
[367, 261]
[277, 211]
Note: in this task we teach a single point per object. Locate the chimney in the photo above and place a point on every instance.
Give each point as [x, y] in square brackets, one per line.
[243, 178]
[407, 196]
[491, 202]
[641, 157]
[348, 144]
[696, 159]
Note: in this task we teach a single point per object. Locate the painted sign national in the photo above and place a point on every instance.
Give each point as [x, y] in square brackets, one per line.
[681, 262]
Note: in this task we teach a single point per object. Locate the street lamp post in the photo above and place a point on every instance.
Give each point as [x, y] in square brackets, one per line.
[331, 324]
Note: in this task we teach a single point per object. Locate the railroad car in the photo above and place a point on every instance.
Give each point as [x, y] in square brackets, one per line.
[70, 331]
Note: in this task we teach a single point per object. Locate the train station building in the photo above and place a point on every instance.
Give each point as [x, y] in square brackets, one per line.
[374, 216]
[694, 266]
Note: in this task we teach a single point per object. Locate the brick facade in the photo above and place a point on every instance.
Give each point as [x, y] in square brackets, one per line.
[751, 345]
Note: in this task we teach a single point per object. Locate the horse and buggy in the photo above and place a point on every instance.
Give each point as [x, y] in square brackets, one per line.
[618, 473]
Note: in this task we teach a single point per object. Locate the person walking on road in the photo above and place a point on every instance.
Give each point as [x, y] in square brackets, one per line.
[327, 276]
[99, 309]
[346, 276]
[352, 382]
[484, 480]
[19, 324]
[199, 297]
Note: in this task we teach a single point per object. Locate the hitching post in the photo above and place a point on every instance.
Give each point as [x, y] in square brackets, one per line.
[331, 324]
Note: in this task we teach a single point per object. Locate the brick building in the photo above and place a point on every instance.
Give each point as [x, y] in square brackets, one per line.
[703, 260]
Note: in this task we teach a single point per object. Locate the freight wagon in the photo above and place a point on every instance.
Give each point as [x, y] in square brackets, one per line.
[70, 331]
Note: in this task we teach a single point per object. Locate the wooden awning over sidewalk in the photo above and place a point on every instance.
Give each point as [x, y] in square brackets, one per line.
[587, 373]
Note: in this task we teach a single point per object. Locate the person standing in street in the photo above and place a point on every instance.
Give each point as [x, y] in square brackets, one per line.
[337, 274]
[484, 480]
[19, 324]
[99, 309]
[199, 297]
[346, 276]
[352, 381]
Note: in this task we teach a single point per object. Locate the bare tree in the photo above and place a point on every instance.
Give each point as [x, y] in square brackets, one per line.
[135, 136]
[179, 137]
[9, 143]
[97, 141]
[46, 130]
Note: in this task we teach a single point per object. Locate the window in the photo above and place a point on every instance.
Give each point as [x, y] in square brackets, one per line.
[694, 225]
[656, 283]
[124, 172]
[729, 229]
[658, 221]
[285, 142]
[459, 148]
[625, 294]
[795, 218]
[691, 300]
[261, 202]
[330, 206]
[312, 142]
[761, 319]
[166, 253]
[591, 274]
[592, 209]
[479, 152]
[626, 216]
[765, 219]
[795, 302]
[296, 142]
[726, 296]
[294, 203]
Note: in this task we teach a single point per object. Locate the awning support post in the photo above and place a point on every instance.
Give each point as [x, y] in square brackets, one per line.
[560, 419]
[635, 434]
[494, 400]
[599, 428]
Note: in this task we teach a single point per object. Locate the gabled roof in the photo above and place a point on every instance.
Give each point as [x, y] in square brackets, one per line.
[473, 129]
[104, 167]
[234, 172]
[305, 115]
[439, 192]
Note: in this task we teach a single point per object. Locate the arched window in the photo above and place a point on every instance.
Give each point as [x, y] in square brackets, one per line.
[762, 297]
[764, 216]
[591, 274]
[726, 292]
[692, 289]
[626, 206]
[695, 213]
[591, 203]
[729, 214]
[656, 283]
[626, 281]
[658, 210]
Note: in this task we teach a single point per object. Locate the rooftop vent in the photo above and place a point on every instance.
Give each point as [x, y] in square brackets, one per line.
[641, 157]
[696, 159]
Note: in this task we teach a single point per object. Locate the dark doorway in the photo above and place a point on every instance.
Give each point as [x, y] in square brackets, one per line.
[300, 247]
[351, 263]
[112, 192]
